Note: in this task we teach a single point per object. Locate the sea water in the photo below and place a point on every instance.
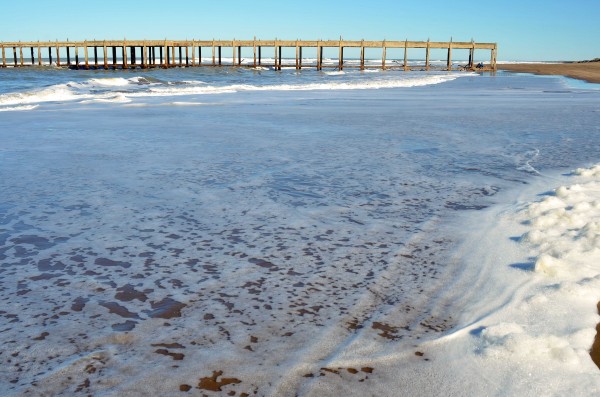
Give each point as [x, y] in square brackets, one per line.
[238, 231]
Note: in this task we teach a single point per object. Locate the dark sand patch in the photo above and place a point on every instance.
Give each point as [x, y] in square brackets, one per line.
[595, 352]
[587, 71]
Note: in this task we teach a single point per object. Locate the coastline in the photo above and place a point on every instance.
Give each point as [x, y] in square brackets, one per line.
[587, 71]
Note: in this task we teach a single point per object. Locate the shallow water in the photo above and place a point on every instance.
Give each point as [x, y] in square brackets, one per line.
[264, 226]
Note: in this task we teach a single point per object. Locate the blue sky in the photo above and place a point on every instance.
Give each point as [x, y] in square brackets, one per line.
[524, 30]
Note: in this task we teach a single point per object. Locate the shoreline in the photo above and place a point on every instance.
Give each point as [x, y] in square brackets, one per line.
[586, 71]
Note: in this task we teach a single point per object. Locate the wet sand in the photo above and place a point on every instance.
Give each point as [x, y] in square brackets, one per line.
[587, 71]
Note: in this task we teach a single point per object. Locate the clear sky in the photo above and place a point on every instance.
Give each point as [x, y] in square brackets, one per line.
[524, 30]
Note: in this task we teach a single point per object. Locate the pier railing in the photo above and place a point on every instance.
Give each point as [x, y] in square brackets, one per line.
[128, 54]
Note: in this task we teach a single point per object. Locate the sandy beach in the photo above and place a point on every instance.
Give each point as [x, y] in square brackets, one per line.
[588, 71]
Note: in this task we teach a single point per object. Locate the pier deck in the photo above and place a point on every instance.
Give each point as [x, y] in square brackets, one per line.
[128, 54]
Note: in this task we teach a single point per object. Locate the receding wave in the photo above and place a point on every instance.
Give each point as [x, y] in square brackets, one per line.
[121, 90]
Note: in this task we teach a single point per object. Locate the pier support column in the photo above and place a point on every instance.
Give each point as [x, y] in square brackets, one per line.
[383, 55]
[76, 57]
[68, 56]
[239, 55]
[3, 57]
[427, 56]
[125, 56]
[187, 56]
[220, 58]
[297, 56]
[279, 58]
[32, 57]
[21, 56]
[405, 55]
[233, 53]
[319, 54]
[96, 57]
[362, 54]
[213, 53]
[259, 55]
[15, 56]
[144, 56]
[493, 58]
[193, 54]
[180, 58]
[341, 56]
[199, 55]
[57, 55]
[275, 55]
[163, 57]
[105, 54]
[132, 55]
[86, 56]
[39, 48]
[471, 53]
[49, 54]
[449, 60]
[114, 57]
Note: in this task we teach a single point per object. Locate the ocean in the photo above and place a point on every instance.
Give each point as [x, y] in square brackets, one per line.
[251, 232]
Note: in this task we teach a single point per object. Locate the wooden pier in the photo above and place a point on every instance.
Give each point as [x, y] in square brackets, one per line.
[131, 54]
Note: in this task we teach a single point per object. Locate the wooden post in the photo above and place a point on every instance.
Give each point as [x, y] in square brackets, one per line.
[254, 51]
[279, 57]
[493, 59]
[187, 56]
[76, 57]
[96, 57]
[297, 56]
[68, 56]
[362, 54]
[57, 55]
[341, 56]
[15, 56]
[213, 53]
[39, 48]
[105, 54]
[132, 55]
[21, 55]
[3, 57]
[239, 55]
[405, 54]
[86, 56]
[319, 53]
[180, 61]
[193, 54]
[125, 55]
[471, 55]
[144, 56]
[427, 56]
[259, 55]
[275, 55]
[49, 54]
[165, 57]
[233, 53]
[199, 55]
[383, 56]
[114, 56]
[220, 59]
[32, 57]
[300, 59]
[449, 60]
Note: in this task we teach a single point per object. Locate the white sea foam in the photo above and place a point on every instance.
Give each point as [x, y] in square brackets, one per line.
[120, 89]
[17, 108]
